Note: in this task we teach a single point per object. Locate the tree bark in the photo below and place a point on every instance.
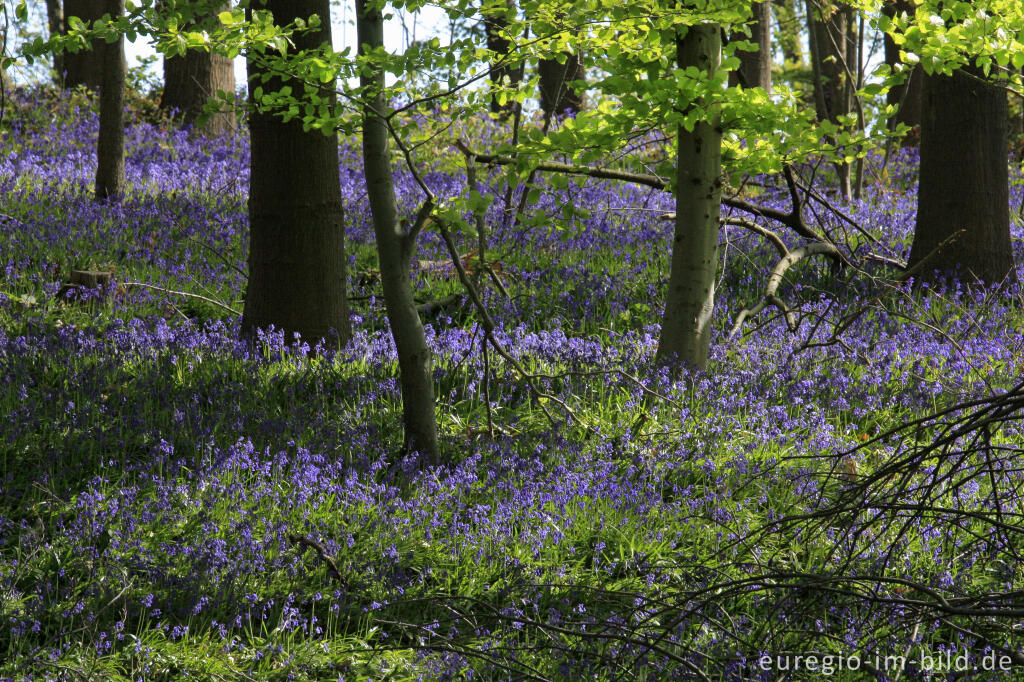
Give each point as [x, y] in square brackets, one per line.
[832, 39]
[296, 225]
[395, 250]
[557, 97]
[84, 67]
[964, 181]
[495, 21]
[689, 301]
[756, 67]
[55, 24]
[110, 178]
[194, 78]
[906, 96]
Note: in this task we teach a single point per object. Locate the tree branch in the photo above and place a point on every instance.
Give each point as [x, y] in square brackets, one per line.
[778, 273]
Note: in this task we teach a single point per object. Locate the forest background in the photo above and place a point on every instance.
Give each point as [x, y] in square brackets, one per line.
[386, 369]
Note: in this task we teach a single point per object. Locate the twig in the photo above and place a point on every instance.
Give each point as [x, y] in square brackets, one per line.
[222, 257]
[186, 294]
[488, 325]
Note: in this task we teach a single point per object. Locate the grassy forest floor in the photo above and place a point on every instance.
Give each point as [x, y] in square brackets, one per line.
[177, 505]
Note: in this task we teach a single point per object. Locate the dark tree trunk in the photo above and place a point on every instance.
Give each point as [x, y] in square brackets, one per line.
[556, 96]
[756, 67]
[110, 145]
[84, 67]
[789, 31]
[395, 248]
[191, 80]
[832, 38]
[906, 96]
[55, 23]
[964, 182]
[496, 21]
[296, 225]
[690, 299]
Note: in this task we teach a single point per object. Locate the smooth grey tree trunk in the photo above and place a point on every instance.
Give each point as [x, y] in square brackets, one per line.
[296, 225]
[964, 181]
[110, 144]
[395, 249]
[193, 79]
[690, 299]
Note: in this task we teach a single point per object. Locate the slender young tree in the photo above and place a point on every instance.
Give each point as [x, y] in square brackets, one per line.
[395, 247]
[296, 225]
[788, 34]
[110, 178]
[964, 181]
[191, 80]
[686, 325]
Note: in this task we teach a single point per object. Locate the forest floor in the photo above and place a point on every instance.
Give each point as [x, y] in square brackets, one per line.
[179, 505]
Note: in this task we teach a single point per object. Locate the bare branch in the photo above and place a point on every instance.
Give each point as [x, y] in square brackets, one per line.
[778, 273]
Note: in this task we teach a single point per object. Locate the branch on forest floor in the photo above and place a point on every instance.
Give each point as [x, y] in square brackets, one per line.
[321, 551]
[907, 273]
[186, 294]
[778, 273]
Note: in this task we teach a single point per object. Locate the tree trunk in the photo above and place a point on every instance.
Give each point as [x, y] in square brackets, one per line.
[84, 67]
[756, 67]
[296, 224]
[395, 248]
[496, 21]
[55, 24]
[556, 96]
[110, 145]
[908, 95]
[964, 182]
[832, 39]
[686, 325]
[789, 31]
[191, 80]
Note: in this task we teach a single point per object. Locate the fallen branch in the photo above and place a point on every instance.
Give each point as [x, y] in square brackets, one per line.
[321, 551]
[431, 307]
[186, 294]
[778, 273]
[894, 262]
[750, 225]
[909, 272]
